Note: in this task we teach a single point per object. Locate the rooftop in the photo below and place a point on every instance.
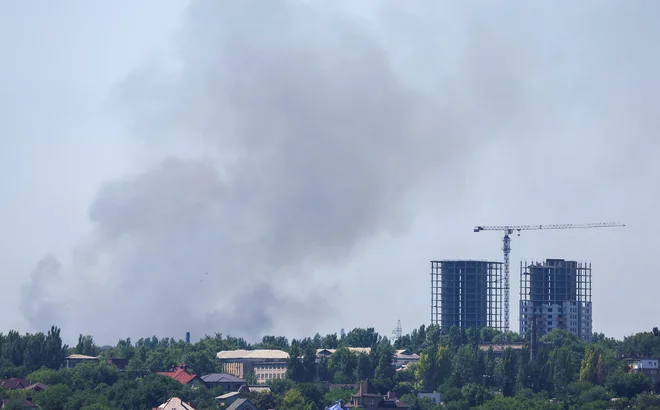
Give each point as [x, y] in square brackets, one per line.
[175, 403]
[81, 357]
[179, 374]
[221, 378]
[252, 354]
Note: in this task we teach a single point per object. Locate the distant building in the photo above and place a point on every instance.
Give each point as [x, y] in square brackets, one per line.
[76, 359]
[181, 375]
[647, 367]
[175, 403]
[24, 403]
[236, 400]
[404, 357]
[499, 348]
[401, 357]
[227, 382]
[37, 387]
[466, 294]
[264, 364]
[556, 294]
[435, 397]
[369, 397]
[118, 362]
[326, 353]
[14, 383]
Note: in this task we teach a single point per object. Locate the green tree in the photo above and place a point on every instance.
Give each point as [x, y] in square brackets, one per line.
[86, 346]
[433, 368]
[563, 369]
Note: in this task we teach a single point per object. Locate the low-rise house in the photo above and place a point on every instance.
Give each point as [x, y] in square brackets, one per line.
[647, 367]
[37, 387]
[435, 397]
[236, 400]
[265, 364]
[370, 398]
[499, 348]
[242, 404]
[259, 388]
[119, 362]
[339, 405]
[181, 375]
[27, 403]
[227, 382]
[326, 353]
[15, 383]
[75, 359]
[404, 357]
[175, 403]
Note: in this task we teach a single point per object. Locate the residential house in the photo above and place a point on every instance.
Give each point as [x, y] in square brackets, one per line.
[404, 357]
[647, 367]
[370, 398]
[326, 353]
[14, 383]
[228, 382]
[236, 400]
[181, 375]
[499, 348]
[339, 405]
[119, 362]
[242, 404]
[265, 364]
[401, 358]
[435, 397]
[37, 387]
[258, 388]
[75, 359]
[27, 403]
[175, 403]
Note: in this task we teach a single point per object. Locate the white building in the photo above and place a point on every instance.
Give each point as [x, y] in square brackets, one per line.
[556, 294]
[264, 364]
[648, 367]
[571, 316]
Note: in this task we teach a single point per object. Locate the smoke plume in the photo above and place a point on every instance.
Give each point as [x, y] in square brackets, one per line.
[296, 131]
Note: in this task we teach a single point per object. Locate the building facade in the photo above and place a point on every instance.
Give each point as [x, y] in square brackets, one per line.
[264, 364]
[556, 294]
[647, 367]
[466, 293]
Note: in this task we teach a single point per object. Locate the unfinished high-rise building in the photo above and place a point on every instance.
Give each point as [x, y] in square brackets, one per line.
[466, 293]
[556, 294]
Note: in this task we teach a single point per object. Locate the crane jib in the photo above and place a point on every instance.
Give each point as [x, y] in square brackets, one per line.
[506, 248]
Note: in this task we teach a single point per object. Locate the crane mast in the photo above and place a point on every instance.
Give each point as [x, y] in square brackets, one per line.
[506, 248]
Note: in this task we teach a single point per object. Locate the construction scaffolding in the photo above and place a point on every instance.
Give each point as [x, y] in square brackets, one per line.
[467, 294]
[556, 294]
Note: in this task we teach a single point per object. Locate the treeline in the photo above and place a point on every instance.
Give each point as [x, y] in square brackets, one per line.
[566, 373]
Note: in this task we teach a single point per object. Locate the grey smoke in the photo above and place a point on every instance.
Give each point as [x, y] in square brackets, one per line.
[298, 131]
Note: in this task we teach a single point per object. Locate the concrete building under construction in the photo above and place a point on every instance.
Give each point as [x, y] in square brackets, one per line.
[466, 293]
[555, 294]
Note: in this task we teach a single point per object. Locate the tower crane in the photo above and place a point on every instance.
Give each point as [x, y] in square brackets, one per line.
[506, 247]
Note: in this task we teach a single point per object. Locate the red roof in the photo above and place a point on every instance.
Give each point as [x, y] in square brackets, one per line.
[179, 374]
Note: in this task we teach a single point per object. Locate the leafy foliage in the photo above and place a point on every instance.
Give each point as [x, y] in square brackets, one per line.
[567, 372]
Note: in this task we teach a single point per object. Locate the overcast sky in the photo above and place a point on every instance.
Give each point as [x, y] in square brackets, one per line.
[291, 167]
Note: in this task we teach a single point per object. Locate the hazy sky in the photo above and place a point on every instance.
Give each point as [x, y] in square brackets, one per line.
[288, 167]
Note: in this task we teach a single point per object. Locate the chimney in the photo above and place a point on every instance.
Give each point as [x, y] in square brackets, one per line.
[187, 337]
